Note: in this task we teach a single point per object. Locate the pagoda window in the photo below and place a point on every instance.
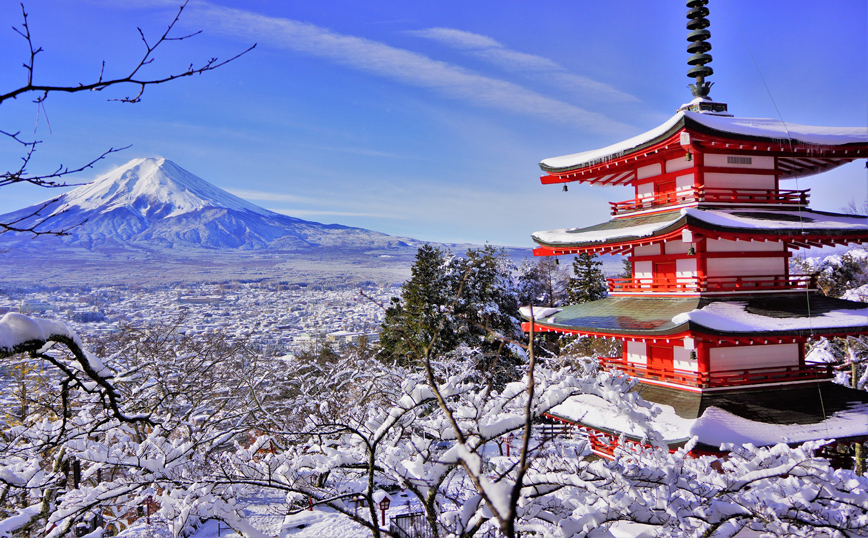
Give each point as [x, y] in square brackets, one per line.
[664, 188]
[665, 271]
[721, 160]
[758, 356]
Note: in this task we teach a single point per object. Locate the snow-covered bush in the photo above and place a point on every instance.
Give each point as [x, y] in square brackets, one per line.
[838, 274]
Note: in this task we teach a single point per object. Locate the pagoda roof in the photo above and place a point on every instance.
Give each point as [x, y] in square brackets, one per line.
[767, 316]
[809, 149]
[762, 417]
[804, 227]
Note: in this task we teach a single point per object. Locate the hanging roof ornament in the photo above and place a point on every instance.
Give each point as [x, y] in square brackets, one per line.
[698, 47]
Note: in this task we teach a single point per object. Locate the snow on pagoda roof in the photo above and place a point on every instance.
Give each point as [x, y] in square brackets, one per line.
[795, 314]
[716, 426]
[730, 317]
[614, 230]
[743, 128]
[770, 221]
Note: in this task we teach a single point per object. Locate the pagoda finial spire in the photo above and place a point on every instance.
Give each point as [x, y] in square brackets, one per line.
[699, 47]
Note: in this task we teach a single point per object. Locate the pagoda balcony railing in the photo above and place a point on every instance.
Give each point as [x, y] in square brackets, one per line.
[713, 284]
[713, 195]
[720, 378]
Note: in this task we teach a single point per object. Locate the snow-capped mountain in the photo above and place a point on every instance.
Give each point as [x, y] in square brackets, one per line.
[155, 203]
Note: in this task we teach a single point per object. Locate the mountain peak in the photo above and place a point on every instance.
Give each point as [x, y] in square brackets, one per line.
[154, 188]
[156, 204]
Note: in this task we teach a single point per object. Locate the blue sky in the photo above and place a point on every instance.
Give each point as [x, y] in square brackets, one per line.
[422, 119]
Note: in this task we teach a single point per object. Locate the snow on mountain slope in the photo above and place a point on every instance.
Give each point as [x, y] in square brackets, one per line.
[155, 203]
[154, 188]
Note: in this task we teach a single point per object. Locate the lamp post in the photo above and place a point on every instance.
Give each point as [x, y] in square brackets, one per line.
[383, 501]
[149, 502]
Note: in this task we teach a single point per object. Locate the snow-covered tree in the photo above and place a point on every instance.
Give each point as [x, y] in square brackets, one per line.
[450, 300]
[542, 283]
[838, 275]
[143, 422]
[351, 426]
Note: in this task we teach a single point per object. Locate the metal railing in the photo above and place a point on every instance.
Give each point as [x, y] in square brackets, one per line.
[413, 525]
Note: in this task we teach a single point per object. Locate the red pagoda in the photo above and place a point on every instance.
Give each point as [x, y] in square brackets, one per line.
[712, 323]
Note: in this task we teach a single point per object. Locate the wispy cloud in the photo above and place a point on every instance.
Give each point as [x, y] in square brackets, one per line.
[264, 196]
[540, 68]
[401, 65]
[314, 213]
[278, 198]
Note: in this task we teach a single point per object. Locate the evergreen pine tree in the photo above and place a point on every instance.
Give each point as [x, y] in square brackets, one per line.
[489, 297]
[419, 318]
[450, 301]
[588, 282]
[627, 268]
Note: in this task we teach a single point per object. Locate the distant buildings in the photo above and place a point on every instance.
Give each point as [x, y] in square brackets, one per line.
[271, 319]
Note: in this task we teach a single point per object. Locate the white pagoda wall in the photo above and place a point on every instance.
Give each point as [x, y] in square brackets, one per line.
[760, 266]
[676, 247]
[724, 245]
[648, 171]
[684, 183]
[683, 360]
[746, 266]
[718, 180]
[674, 165]
[685, 268]
[755, 356]
[646, 250]
[637, 352]
[642, 270]
[645, 190]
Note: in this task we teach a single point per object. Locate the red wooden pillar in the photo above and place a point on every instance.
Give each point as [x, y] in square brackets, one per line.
[777, 177]
[703, 360]
[698, 169]
[701, 259]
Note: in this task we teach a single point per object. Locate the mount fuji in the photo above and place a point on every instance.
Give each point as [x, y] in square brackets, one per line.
[153, 203]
